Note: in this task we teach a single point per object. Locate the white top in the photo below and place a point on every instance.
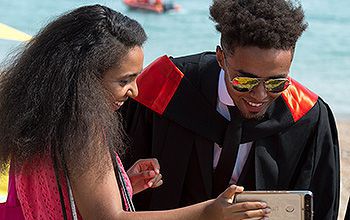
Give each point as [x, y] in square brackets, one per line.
[224, 100]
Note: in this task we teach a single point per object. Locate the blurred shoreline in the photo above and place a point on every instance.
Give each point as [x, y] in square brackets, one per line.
[343, 125]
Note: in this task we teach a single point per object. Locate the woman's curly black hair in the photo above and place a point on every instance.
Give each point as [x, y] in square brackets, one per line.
[51, 95]
[263, 23]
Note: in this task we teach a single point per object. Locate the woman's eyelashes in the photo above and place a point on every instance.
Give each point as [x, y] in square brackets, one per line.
[123, 82]
[129, 79]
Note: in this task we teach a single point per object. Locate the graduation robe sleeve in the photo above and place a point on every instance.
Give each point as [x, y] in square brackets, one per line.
[325, 177]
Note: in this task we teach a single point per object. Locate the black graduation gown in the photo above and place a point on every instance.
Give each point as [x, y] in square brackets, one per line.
[288, 154]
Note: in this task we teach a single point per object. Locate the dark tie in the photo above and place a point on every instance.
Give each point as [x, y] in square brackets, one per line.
[228, 156]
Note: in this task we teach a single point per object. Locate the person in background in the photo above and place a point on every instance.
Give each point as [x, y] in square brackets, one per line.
[60, 127]
[238, 117]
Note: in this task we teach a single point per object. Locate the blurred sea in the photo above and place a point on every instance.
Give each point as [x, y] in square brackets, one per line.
[322, 58]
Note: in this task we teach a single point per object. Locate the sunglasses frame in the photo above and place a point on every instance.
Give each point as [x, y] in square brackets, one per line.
[260, 80]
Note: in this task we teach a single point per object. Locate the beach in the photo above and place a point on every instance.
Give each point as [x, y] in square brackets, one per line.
[344, 142]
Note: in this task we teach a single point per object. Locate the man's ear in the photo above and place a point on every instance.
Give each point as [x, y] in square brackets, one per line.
[220, 56]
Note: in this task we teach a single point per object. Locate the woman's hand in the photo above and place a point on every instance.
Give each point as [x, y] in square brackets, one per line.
[224, 207]
[145, 174]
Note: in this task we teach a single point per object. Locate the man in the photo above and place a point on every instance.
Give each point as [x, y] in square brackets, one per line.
[236, 116]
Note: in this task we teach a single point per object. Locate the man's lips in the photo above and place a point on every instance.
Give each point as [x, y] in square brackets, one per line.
[254, 106]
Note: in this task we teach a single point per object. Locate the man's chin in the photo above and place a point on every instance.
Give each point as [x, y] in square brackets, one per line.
[253, 116]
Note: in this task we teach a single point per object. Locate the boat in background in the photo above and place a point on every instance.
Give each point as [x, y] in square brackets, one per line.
[157, 6]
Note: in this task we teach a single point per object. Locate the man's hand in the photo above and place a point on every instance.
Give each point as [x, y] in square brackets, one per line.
[145, 174]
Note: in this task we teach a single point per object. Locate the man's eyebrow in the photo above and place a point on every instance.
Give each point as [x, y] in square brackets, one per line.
[244, 73]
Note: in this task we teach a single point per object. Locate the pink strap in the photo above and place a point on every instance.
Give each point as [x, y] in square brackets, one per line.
[125, 175]
[12, 196]
[126, 180]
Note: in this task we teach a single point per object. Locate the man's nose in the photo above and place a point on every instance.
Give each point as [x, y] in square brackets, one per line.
[259, 92]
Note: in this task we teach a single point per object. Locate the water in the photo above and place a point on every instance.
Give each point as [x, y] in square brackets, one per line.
[322, 58]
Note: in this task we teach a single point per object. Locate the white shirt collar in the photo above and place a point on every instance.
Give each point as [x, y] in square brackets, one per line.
[223, 94]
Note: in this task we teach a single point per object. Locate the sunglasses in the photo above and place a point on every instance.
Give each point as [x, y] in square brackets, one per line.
[247, 84]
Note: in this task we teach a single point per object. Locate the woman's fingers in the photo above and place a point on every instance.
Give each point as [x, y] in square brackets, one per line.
[229, 193]
[247, 210]
[149, 164]
[243, 206]
[258, 213]
[241, 210]
[156, 181]
[144, 175]
[150, 178]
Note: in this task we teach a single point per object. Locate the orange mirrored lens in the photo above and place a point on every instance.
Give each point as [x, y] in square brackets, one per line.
[246, 84]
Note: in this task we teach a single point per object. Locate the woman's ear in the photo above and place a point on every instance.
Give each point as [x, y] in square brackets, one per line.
[220, 57]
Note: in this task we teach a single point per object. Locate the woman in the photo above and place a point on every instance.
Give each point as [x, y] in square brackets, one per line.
[60, 129]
